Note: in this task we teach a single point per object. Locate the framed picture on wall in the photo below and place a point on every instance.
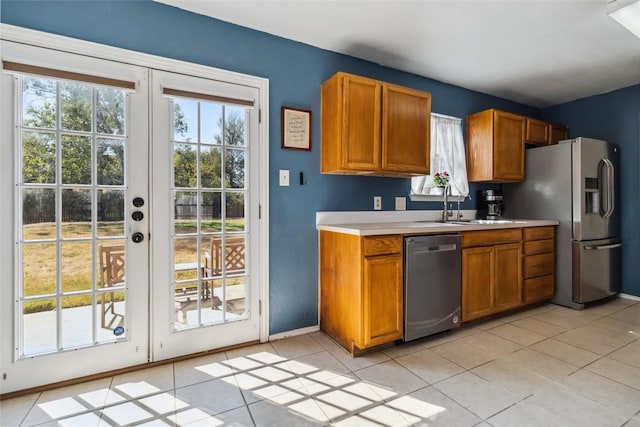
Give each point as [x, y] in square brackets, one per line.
[296, 128]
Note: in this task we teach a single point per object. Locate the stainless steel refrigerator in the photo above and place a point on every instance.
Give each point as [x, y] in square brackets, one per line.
[575, 182]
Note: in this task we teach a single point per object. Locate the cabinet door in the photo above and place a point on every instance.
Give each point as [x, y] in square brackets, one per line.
[537, 132]
[508, 156]
[557, 133]
[406, 124]
[508, 276]
[477, 282]
[382, 300]
[361, 124]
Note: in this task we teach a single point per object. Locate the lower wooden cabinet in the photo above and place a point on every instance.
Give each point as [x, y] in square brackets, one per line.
[361, 280]
[539, 264]
[491, 279]
[382, 300]
[477, 282]
[505, 269]
[508, 276]
[361, 289]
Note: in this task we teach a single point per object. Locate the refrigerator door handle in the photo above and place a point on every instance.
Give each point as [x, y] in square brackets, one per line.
[611, 186]
[603, 247]
[605, 179]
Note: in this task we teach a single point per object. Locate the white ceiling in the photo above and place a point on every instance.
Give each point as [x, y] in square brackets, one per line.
[537, 52]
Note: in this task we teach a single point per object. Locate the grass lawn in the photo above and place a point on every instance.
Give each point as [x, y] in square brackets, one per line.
[39, 260]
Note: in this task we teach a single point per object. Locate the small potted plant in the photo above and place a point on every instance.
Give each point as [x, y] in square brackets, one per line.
[441, 179]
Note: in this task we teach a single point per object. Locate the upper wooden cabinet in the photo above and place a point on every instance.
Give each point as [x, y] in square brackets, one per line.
[537, 132]
[496, 141]
[557, 133]
[371, 127]
[495, 147]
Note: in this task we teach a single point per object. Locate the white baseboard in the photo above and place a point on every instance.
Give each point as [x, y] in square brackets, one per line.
[627, 296]
[293, 333]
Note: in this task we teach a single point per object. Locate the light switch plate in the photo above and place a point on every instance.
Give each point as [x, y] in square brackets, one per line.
[401, 203]
[284, 178]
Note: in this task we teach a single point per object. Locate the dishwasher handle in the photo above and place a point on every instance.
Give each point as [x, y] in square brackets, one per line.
[434, 248]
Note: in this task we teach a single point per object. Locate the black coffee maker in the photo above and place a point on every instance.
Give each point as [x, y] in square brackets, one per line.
[490, 204]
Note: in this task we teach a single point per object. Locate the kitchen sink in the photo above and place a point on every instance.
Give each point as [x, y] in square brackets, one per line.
[488, 221]
[426, 224]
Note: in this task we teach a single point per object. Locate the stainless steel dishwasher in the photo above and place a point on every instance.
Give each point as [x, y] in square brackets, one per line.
[432, 283]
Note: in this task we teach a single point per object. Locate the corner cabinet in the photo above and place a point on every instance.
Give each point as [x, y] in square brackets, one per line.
[361, 289]
[369, 127]
[495, 147]
[557, 133]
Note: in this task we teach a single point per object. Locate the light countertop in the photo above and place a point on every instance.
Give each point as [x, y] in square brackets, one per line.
[425, 227]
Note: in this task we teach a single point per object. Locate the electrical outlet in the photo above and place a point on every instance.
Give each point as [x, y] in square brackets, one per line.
[377, 203]
[401, 203]
[284, 178]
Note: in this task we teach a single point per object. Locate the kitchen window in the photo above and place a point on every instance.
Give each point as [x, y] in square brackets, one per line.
[447, 155]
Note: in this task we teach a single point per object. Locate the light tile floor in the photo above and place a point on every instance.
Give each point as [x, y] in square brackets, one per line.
[546, 366]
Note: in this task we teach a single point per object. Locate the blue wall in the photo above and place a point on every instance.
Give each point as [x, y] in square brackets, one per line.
[295, 72]
[614, 117]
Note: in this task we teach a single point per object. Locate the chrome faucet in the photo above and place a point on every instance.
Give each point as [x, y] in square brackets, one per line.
[445, 212]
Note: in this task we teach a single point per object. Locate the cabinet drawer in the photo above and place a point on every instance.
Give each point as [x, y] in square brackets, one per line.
[492, 237]
[538, 265]
[539, 288]
[538, 233]
[381, 245]
[538, 247]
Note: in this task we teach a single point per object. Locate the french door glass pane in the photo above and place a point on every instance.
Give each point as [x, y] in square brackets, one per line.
[110, 213]
[76, 104]
[39, 267]
[39, 103]
[38, 157]
[211, 211]
[77, 260]
[209, 236]
[76, 213]
[111, 161]
[110, 111]
[38, 213]
[72, 288]
[39, 326]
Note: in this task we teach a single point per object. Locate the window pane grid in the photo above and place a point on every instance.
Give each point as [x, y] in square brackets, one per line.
[61, 209]
[209, 154]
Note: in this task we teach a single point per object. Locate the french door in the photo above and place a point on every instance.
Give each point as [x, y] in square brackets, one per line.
[133, 232]
[205, 224]
[75, 284]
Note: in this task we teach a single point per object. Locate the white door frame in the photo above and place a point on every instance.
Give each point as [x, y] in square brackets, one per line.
[65, 44]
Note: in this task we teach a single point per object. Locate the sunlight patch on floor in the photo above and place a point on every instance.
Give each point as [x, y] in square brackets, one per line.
[306, 391]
